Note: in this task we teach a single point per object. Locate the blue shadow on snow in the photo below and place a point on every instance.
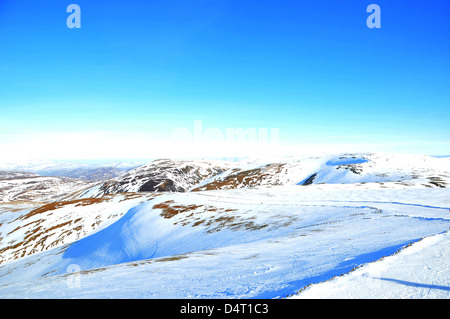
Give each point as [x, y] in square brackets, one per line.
[342, 268]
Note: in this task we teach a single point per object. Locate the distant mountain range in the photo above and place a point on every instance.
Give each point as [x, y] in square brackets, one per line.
[38, 180]
[86, 171]
[182, 176]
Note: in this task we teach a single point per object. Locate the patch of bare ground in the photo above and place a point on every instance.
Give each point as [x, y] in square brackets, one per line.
[247, 178]
[437, 182]
[39, 236]
[213, 219]
[233, 223]
[170, 209]
[39, 239]
[56, 205]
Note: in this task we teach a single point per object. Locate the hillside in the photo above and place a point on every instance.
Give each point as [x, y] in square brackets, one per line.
[236, 230]
[160, 176]
[408, 170]
[24, 186]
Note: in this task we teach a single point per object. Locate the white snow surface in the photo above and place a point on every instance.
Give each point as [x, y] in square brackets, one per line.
[419, 271]
[382, 232]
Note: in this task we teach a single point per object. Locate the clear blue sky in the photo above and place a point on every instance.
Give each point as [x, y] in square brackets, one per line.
[310, 68]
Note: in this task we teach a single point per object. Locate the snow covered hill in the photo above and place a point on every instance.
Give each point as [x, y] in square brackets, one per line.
[333, 226]
[79, 170]
[379, 168]
[29, 229]
[201, 175]
[23, 186]
[160, 176]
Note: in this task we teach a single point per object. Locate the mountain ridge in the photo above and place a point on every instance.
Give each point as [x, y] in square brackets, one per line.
[268, 228]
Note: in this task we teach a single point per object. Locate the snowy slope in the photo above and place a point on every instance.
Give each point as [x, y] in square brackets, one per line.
[419, 271]
[32, 228]
[244, 244]
[257, 230]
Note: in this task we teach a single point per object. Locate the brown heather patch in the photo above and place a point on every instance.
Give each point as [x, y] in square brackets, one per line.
[20, 227]
[246, 178]
[32, 234]
[12, 231]
[198, 223]
[90, 201]
[56, 205]
[38, 239]
[157, 260]
[212, 222]
[89, 271]
[128, 196]
[10, 247]
[163, 205]
[172, 258]
[169, 210]
[234, 223]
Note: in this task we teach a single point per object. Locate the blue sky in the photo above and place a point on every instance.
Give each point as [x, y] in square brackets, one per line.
[138, 70]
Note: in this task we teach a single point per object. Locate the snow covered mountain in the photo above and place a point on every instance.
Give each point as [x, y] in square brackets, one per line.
[212, 229]
[200, 175]
[160, 176]
[406, 170]
[90, 172]
[24, 186]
